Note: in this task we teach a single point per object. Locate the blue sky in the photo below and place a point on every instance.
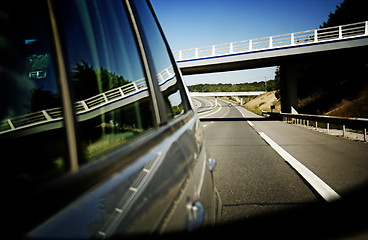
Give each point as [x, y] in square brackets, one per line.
[197, 23]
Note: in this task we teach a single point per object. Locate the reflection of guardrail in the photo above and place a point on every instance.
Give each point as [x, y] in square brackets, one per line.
[356, 123]
[86, 105]
[107, 96]
[290, 39]
[56, 114]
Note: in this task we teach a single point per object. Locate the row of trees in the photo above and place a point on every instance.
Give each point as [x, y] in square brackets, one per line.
[270, 85]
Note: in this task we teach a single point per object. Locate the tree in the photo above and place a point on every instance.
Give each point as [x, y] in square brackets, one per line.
[349, 11]
[325, 81]
[89, 82]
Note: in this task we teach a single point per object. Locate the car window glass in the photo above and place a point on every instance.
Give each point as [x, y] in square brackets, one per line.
[165, 74]
[32, 137]
[112, 105]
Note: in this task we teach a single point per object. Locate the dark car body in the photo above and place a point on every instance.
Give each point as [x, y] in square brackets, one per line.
[98, 133]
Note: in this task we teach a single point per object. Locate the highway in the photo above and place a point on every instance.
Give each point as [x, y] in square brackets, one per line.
[266, 166]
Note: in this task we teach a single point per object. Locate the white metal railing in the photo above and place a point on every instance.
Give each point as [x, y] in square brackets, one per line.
[289, 39]
[55, 114]
[85, 105]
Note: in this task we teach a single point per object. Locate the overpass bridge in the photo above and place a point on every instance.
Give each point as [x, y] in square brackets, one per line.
[282, 50]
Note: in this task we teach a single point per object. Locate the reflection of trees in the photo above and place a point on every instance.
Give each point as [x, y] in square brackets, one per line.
[89, 82]
[38, 62]
[41, 100]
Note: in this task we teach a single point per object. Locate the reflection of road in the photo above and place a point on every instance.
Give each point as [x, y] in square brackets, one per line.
[254, 179]
[208, 106]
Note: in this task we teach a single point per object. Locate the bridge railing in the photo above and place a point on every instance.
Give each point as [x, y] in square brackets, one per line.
[289, 39]
[83, 106]
[56, 114]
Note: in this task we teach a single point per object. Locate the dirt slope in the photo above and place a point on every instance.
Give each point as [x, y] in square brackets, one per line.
[264, 102]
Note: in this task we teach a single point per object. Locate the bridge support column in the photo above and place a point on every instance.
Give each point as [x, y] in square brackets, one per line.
[289, 88]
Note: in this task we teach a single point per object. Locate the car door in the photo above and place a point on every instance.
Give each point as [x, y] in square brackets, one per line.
[110, 142]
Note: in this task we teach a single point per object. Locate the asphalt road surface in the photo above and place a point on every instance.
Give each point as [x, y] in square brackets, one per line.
[267, 166]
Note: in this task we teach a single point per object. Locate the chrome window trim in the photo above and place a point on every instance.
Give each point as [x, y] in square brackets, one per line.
[68, 109]
[145, 63]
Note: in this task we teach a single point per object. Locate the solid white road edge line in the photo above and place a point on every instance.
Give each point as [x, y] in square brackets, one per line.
[320, 186]
[249, 122]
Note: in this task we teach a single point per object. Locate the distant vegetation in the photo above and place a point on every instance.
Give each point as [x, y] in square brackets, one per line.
[270, 85]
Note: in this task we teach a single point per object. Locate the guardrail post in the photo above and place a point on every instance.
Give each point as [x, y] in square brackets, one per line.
[196, 53]
[135, 86]
[121, 91]
[167, 72]
[11, 124]
[366, 28]
[292, 39]
[340, 32]
[231, 50]
[250, 45]
[343, 130]
[270, 46]
[213, 50]
[105, 98]
[365, 134]
[180, 55]
[328, 127]
[315, 35]
[46, 115]
[84, 105]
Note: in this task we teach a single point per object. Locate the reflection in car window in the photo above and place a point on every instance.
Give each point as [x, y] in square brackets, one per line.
[32, 137]
[112, 98]
[164, 71]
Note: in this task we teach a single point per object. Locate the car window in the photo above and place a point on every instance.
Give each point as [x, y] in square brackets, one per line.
[32, 137]
[112, 102]
[164, 72]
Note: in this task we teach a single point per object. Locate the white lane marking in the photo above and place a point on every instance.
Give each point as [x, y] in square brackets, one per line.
[205, 125]
[320, 186]
[249, 122]
[241, 113]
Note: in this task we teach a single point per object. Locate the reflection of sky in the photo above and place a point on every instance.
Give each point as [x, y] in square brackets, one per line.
[102, 37]
[175, 99]
[156, 44]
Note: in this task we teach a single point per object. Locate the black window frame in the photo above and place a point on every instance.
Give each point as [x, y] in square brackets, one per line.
[145, 39]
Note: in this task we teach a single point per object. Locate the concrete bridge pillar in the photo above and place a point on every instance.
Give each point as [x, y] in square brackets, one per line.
[289, 88]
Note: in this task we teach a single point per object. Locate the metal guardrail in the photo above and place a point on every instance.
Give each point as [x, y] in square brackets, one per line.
[89, 104]
[356, 123]
[273, 42]
[56, 114]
